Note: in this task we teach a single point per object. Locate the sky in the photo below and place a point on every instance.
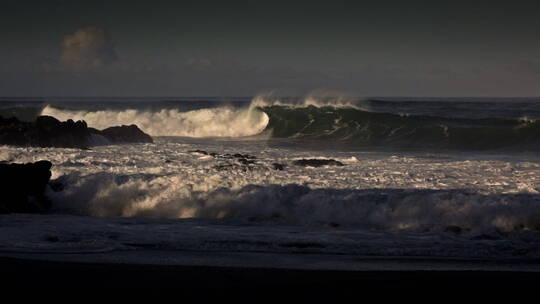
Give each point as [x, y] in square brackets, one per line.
[289, 48]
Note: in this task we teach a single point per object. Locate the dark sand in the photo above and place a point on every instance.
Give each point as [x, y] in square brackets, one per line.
[44, 279]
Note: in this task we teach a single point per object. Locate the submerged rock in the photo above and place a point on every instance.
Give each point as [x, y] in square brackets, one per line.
[453, 229]
[22, 187]
[315, 162]
[244, 159]
[238, 162]
[48, 131]
[278, 166]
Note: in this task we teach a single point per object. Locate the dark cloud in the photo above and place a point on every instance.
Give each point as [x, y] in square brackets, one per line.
[388, 47]
[87, 48]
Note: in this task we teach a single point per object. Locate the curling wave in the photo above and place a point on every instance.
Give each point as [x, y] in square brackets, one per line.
[210, 122]
[337, 120]
[363, 128]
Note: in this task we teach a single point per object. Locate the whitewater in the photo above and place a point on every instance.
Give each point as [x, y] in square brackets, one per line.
[217, 122]
[350, 122]
[187, 193]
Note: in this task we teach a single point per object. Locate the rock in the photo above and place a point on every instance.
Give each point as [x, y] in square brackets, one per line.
[126, 134]
[23, 187]
[48, 131]
[244, 159]
[453, 229]
[277, 166]
[245, 156]
[235, 162]
[13, 131]
[317, 162]
[52, 238]
[246, 162]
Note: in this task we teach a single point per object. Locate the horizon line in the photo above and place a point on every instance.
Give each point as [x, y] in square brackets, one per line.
[7, 98]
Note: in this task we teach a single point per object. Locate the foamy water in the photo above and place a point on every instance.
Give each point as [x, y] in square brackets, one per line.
[372, 191]
[214, 122]
[223, 121]
[436, 206]
[117, 199]
[315, 118]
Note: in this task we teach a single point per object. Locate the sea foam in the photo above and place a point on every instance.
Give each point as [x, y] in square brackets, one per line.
[105, 195]
[211, 122]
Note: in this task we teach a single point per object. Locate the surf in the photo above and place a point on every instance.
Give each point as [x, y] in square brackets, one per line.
[209, 122]
[369, 129]
[337, 120]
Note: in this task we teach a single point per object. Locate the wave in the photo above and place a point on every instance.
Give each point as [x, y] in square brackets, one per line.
[221, 121]
[315, 100]
[456, 210]
[211, 122]
[362, 128]
[336, 119]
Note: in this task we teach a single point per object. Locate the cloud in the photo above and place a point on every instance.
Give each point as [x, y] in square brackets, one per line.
[87, 48]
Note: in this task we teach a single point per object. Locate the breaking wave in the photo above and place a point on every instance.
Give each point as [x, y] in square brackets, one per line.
[363, 128]
[318, 101]
[210, 122]
[335, 119]
[457, 210]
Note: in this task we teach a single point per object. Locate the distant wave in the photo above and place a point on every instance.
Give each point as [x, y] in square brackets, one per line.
[365, 128]
[220, 121]
[317, 101]
[335, 119]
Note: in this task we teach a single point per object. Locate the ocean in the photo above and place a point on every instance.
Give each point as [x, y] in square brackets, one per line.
[421, 179]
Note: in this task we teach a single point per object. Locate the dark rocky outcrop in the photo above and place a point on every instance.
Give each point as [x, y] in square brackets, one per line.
[22, 187]
[126, 134]
[48, 131]
[315, 162]
[246, 162]
[238, 162]
[244, 159]
[278, 166]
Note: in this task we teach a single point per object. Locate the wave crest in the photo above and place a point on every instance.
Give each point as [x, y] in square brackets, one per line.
[211, 122]
[314, 100]
[371, 129]
[322, 118]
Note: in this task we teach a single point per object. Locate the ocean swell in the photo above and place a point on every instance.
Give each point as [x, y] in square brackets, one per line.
[369, 129]
[336, 120]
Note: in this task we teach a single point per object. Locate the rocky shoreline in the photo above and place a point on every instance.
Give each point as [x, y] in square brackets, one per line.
[23, 186]
[47, 131]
